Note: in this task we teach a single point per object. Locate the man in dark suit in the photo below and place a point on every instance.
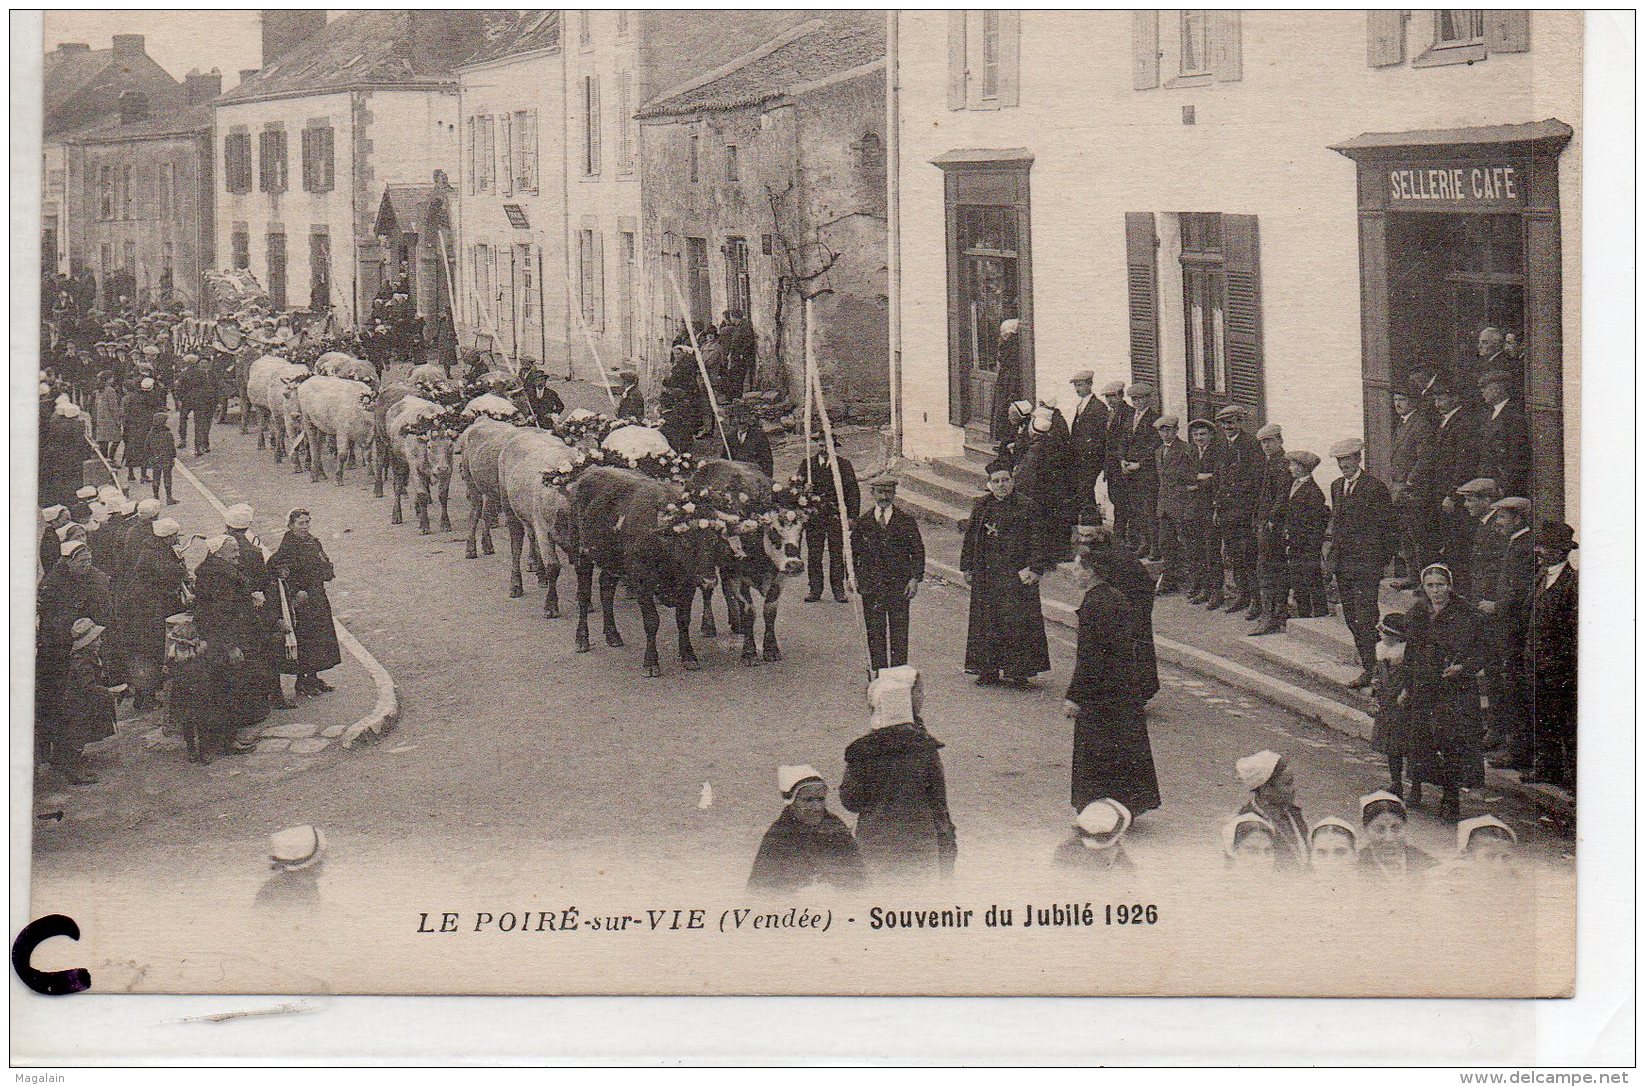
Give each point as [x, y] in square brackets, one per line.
[1411, 482]
[1204, 558]
[1485, 553]
[1553, 649]
[747, 437]
[1238, 485]
[631, 403]
[1174, 466]
[1089, 431]
[1456, 461]
[1503, 605]
[1141, 476]
[889, 561]
[1362, 535]
[1119, 426]
[823, 527]
[1504, 444]
[1273, 494]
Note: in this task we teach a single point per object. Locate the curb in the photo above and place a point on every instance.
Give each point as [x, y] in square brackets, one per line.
[1332, 714]
[386, 712]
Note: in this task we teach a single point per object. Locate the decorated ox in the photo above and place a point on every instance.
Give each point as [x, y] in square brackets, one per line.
[342, 364]
[635, 529]
[427, 373]
[421, 435]
[478, 447]
[773, 514]
[335, 409]
[268, 383]
[498, 407]
[382, 456]
[634, 442]
[537, 511]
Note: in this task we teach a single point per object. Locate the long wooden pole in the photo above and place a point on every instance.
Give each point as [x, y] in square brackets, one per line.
[605, 379]
[691, 331]
[808, 345]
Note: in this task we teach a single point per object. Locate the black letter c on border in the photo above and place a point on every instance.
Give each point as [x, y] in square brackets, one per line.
[48, 982]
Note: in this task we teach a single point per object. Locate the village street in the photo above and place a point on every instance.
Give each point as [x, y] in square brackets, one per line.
[510, 744]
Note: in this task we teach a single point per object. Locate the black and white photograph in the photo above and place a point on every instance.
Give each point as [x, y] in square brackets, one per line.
[806, 501]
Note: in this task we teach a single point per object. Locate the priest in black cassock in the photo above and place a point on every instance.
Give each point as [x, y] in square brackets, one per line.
[1003, 558]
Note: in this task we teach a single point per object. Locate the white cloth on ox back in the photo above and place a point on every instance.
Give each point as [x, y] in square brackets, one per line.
[634, 442]
[490, 402]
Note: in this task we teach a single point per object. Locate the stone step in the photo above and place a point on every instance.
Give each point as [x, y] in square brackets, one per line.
[968, 471]
[934, 485]
[1327, 635]
[936, 510]
[1304, 658]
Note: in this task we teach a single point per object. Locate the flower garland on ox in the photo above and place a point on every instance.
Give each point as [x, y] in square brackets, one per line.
[446, 424]
[668, 467]
[593, 426]
[733, 513]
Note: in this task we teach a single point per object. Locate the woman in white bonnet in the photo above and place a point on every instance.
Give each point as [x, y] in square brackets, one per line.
[894, 782]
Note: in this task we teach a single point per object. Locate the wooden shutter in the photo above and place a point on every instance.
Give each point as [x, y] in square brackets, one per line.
[506, 146]
[468, 155]
[594, 126]
[956, 60]
[1384, 37]
[1010, 57]
[1242, 310]
[1225, 46]
[328, 159]
[1144, 50]
[1142, 292]
[1507, 31]
[529, 148]
[308, 159]
[599, 281]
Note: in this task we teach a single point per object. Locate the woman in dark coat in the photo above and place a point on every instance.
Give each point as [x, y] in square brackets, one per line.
[1447, 648]
[894, 782]
[1125, 572]
[226, 613]
[1043, 473]
[1112, 755]
[1306, 517]
[301, 562]
[156, 589]
[808, 844]
[137, 413]
[86, 711]
[1003, 558]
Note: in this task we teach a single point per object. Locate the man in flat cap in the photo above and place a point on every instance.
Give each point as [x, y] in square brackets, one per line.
[1363, 538]
[1174, 465]
[889, 560]
[1306, 516]
[1503, 605]
[1119, 428]
[1504, 440]
[631, 402]
[196, 395]
[1273, 589]
[1552, 647]
[1411, 482]
[1474, 499]
[1142, 479]
[1199, 534]
[1456, 461]
[1238, 488]
[1088, 430]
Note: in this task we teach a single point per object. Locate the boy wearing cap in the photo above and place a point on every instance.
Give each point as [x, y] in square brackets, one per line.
[1362, 541]
[162, 456]
[1141, 478]
[1238, 487]
[1273, 495]
[808, 844]
[1552, 648]
[1200, 541]
[1484, 553]
[1306, 517]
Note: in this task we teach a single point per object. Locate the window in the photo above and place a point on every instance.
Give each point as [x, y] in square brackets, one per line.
[1200, 46]
[107, 256]
[485, 153]
[167, 186]
[237, 162]
[277, 270]
[983, 66]
[319, 159]
[105, 193]
[128, 257]
[319, 270]
[1193, 36]
[698, 289]
[630, 310]
[528, 282]
[505, 148]
[1459, 27]
[731, 173]
[695, 160]
[591, 126]
[525, 150]
[625, 123]
[1457, 36]
[591, 279]
[483, 294]
[1221, 309]
[736, 276]
[240, 248]
[271, 160]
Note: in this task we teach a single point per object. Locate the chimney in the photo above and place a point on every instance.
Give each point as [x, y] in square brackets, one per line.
[285, 30]
[74, 47]
[128, 46]
[134, 106]
[201, 86]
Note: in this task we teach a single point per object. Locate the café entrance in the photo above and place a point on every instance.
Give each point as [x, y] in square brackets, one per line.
[1459, 234]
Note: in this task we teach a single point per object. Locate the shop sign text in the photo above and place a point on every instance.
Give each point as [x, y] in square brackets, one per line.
[1475, 186]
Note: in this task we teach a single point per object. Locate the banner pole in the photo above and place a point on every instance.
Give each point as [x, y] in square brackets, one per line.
[691, 331]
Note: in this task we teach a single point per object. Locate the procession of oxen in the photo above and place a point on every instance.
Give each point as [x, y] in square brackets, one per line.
[608, 494]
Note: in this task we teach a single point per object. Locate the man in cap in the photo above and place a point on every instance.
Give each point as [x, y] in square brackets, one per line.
[196, 395]
[1504, 440]
[1552, 648]
[1503, 605]
[1456, 461]
[1204, 556]
[1411, 482]
[1363, 539]
[823, 528]
[808, 844]
[1174, 465]
[52, 518]
[631, 403]
[1238, 489]
[889, 558]
[1306, 516]
[1119, 428]
[1088, 431]
[1273, 494]
[1137, 466]
[747, 437]
[1484, 555]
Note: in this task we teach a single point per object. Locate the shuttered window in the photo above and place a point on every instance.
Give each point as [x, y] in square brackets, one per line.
[506, 149]
[591, 125]
[1384, 37]
[525, 151]
[1222, 312]
[271, 160]
[984, 59]
[469, 178]
[1469, 35]
[1142, 294]
[1244, 300]
[1196, 46]
[319, 160]
[237, 162]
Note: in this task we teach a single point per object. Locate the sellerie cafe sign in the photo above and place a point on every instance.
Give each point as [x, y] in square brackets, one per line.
[1475, 186]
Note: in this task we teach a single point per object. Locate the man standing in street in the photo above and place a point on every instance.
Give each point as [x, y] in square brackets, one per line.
[1411, 483]
[1273, 586]
[889, 558]
[1137, 464]
[1485, 542]
[1456, 461]
[1089, 431]
[1119, 426]
[1504, 441]
[747, 437]
[1174, 465]
[822, 528]
[1552, 646]
[1238, 486]
[1503, 604]
[1204, 557]
[1361, 543]
[196, 396]
[631, 404]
